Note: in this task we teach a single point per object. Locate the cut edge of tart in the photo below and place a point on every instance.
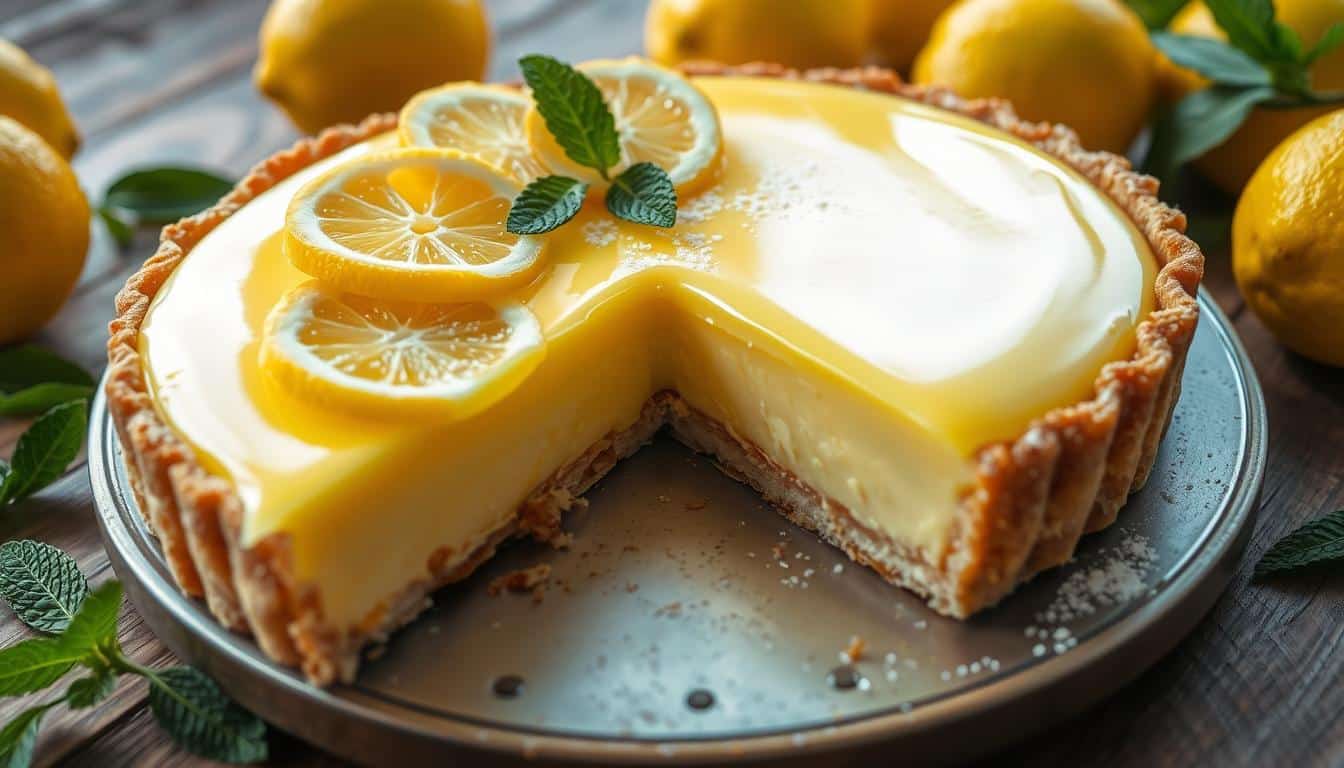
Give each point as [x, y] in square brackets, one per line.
[1031, 498]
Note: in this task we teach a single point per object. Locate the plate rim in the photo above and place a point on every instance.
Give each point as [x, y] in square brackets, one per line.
[1135, 642]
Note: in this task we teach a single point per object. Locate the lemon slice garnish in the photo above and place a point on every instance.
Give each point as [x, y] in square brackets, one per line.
[660, 118]
[379, 357]
[412, 225]
[484, 121]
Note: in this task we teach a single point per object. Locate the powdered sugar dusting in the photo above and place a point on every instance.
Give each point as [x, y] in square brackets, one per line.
[1120, 575]
[600, 233]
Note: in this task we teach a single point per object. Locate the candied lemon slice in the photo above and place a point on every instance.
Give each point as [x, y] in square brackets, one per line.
[660, 118]
[379, 357]
[411, 225]
[484, 121]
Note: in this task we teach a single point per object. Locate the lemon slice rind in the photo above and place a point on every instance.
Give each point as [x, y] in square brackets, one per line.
[298, 366]
[316, 252]
[497, 137]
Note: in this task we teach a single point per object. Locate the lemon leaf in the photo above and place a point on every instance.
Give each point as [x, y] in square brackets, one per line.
[164, 195]
[1211, 58]
[122, 231]
[1328, 42]
[45, 450]
[27, 366]
[1157, 14]
[36, 399]
[545, 204]
[1200, 122]
[644, 194]
[574, 111]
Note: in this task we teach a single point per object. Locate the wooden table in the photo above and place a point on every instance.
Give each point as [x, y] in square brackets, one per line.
[169, 81]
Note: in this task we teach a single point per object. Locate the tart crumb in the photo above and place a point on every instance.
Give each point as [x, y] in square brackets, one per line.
[855, 650]
[522, 580]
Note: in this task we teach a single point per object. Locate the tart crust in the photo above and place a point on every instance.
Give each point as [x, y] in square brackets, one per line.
[1031, 499]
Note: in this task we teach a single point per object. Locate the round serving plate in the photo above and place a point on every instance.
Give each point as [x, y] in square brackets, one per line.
[688, 622]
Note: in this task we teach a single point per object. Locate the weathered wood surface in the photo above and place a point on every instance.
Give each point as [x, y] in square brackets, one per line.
[153, 81]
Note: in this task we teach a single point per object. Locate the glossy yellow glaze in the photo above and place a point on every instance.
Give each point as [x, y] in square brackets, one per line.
[871, 290]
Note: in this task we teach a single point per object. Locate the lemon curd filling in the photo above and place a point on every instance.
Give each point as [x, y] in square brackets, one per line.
[871, 290]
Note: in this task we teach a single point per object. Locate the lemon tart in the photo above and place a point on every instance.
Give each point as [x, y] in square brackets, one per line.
[946, 340]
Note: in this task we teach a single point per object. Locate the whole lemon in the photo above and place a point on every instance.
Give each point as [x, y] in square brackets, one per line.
[796, 33]
[29, 95]
[1288, 241]
[337, 61]
[1085, 63]
[900, 28]
[44, 231]
[1231, 163]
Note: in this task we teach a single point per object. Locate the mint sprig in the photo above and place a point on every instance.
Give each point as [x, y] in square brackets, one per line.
[1262, 64]
[579, 118]
[545, 204]
[1317, 541]
[33, 381]
[185, 703]
[643, 193]
[45, 450]
[1157, 14]
[42, 584]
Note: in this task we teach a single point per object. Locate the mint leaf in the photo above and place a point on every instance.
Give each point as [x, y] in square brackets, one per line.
[45, 450]
[1211, 58]
[28, 366]
[34, 664]
[644, 194]
[202, 720]
[164, 195]
[122, 231]
[19, 735]
[574, 111]
[545, 204]
[88, 691]
[1199, 122]
[95, 624]
[1329, 41]
[1318, 541]
[4, 475]
[41, 583]
[1249, 25]
[37, 399]
[1157, 14]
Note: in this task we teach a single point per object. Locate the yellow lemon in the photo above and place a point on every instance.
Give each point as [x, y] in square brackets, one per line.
[1288, 241]
[412, 225]
[29, 95]
[44, 231]
[1085, 63]
[660, 118]
[336, 61]
[1231, 163]
[387, 358]
[796, 33]
[900, 28]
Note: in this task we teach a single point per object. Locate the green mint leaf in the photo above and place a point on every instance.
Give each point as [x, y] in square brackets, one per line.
[574, 111]
[36, 399]
[4, 475]
[45, 450]
[1318, 541]
[164, 195]
[1198, 123]
[88, 691]
[644, 194]
[1157, 14]
[122, 231]
[1213, 59]
[95, 624]
[1329, 41]
[41, 583]
[27, 366]
[545, 204]
[19, 735]
[1249, 25]
[35, 664]
[202, 720]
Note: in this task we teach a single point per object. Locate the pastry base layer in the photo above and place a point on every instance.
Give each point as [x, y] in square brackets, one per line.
[1030, 501]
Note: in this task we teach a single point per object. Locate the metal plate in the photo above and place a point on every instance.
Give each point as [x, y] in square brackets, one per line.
[680, 580]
